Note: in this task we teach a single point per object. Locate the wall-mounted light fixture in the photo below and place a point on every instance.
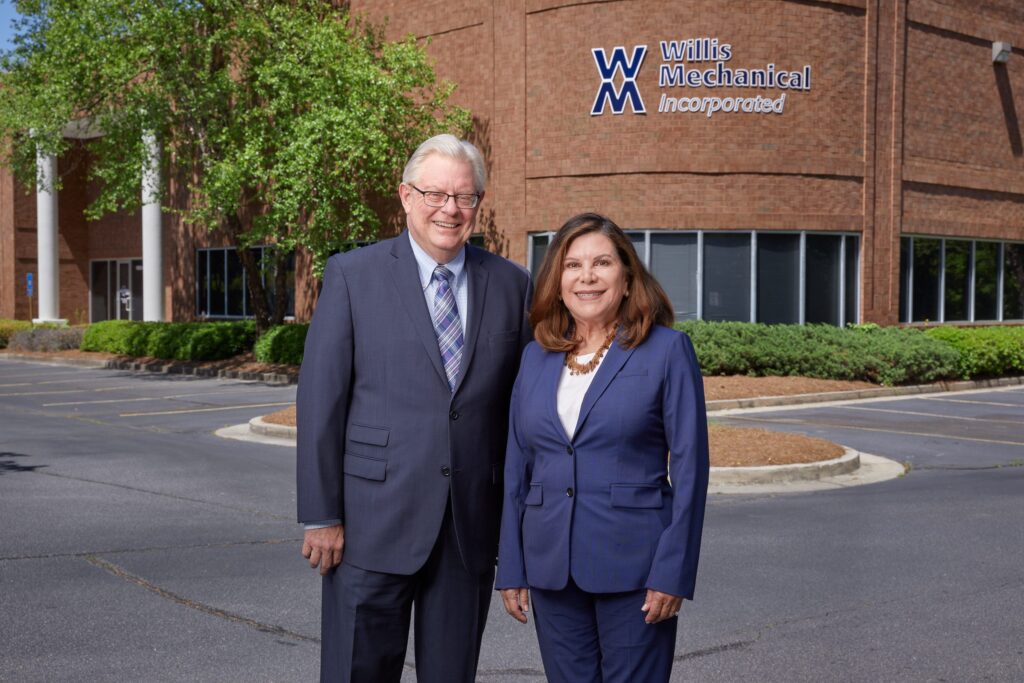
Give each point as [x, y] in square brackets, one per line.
[1001, 52]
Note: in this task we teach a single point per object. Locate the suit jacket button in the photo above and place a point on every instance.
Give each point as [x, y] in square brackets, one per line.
[568, 492]
[568, 449]
[454, 415]
[446, 471]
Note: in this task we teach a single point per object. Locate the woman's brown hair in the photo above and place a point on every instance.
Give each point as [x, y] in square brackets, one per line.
[646, 303]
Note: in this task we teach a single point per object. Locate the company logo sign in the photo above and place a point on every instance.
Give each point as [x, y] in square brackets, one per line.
[628, 92]
[690, 68]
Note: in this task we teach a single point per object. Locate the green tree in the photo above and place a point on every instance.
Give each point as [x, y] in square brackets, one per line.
[283, 121]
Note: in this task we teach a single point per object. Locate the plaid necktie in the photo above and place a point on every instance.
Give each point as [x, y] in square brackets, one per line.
[447, 325]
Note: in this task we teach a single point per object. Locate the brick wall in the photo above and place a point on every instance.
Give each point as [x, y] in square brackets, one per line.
[908, 128]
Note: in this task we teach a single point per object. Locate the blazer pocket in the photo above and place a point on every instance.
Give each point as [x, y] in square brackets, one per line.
[366, 468]
[632, 372]
[374, 436]
[535, 495]
[636, 496]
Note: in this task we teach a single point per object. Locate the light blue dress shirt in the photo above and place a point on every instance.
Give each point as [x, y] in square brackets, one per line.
[426, 264]
[460, 286]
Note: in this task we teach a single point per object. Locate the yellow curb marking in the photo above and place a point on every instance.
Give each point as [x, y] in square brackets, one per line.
[207, 410]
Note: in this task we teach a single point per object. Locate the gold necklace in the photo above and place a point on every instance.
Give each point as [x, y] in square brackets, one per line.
[576, 368]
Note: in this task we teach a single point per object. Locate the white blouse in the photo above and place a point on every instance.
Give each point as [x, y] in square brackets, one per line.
[571, 390]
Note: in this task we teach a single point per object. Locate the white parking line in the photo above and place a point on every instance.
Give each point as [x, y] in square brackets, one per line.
[68, 391]
[151, 398]
[132, 399]
[52, 381]
[944, 417]
[930, 435]
[983, 403]
[207, 410]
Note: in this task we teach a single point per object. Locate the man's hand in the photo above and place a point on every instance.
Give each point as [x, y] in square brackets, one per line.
[660, 606]
[517, 602]
[323, 547]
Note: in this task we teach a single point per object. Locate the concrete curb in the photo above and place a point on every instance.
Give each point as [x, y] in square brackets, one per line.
[260, 426]
[773, 474]
[883, 392]
[841, 472]
[158, 367]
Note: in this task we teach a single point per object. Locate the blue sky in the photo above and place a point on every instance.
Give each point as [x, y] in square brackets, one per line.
[6, 14]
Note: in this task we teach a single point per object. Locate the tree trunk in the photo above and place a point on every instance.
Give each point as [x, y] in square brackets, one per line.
[259, 304]
[280, 285]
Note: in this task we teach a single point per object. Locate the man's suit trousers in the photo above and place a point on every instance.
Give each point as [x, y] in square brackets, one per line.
[373, 611]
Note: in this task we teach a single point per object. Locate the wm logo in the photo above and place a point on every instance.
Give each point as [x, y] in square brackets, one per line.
[628, 92]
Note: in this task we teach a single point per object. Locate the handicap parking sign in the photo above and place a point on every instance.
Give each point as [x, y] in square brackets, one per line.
[28, 283]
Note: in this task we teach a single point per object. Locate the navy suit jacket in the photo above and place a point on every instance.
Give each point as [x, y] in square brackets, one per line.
[600, 507]
[382, 440]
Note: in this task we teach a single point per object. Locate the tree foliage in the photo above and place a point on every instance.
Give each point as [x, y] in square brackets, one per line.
[282, 120]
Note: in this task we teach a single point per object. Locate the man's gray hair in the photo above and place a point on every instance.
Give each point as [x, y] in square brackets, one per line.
[453, 148]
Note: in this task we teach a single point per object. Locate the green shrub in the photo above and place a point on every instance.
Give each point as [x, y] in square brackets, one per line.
[9, 327]
[886, 355]
[984, 351]
[122, 337]
[177, 341]
[46, 338]
[282, 344]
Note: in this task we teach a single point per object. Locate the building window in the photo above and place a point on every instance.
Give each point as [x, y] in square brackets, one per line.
[956, 292]
[726, 294]
[986, 281]
[925, 264]
[790, 277]
[221, 290]
[1013, 281]
[674, 262]
[822, 279]
[947, 280]
[115, 290]
[778, 278]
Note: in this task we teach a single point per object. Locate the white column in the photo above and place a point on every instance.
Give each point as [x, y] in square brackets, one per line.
[47, 240]
[152, 234]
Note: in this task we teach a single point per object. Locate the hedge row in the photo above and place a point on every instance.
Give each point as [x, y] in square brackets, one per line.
[282, 344]
[885, 355]
[984, 351]
[9, 327]
[177, 341]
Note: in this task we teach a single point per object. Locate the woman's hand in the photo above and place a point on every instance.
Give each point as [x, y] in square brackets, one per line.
[659, 606]
[517, 602]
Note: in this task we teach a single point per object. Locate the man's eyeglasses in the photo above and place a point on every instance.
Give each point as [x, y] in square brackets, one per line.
[439, 199]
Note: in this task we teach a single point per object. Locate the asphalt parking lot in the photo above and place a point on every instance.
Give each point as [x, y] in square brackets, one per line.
[136, 545]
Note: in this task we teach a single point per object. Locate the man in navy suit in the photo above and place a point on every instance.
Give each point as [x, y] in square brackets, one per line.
[402, 423]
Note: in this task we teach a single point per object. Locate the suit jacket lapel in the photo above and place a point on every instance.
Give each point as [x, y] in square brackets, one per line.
[613, 361]
[477, 278]
[406, 277]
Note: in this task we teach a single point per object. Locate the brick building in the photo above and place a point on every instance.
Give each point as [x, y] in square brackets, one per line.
[774, 160]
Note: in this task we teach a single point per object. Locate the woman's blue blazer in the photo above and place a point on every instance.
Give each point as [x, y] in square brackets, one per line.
[620, 506]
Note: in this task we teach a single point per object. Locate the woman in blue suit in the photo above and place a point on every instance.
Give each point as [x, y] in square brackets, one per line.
[606, 470]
